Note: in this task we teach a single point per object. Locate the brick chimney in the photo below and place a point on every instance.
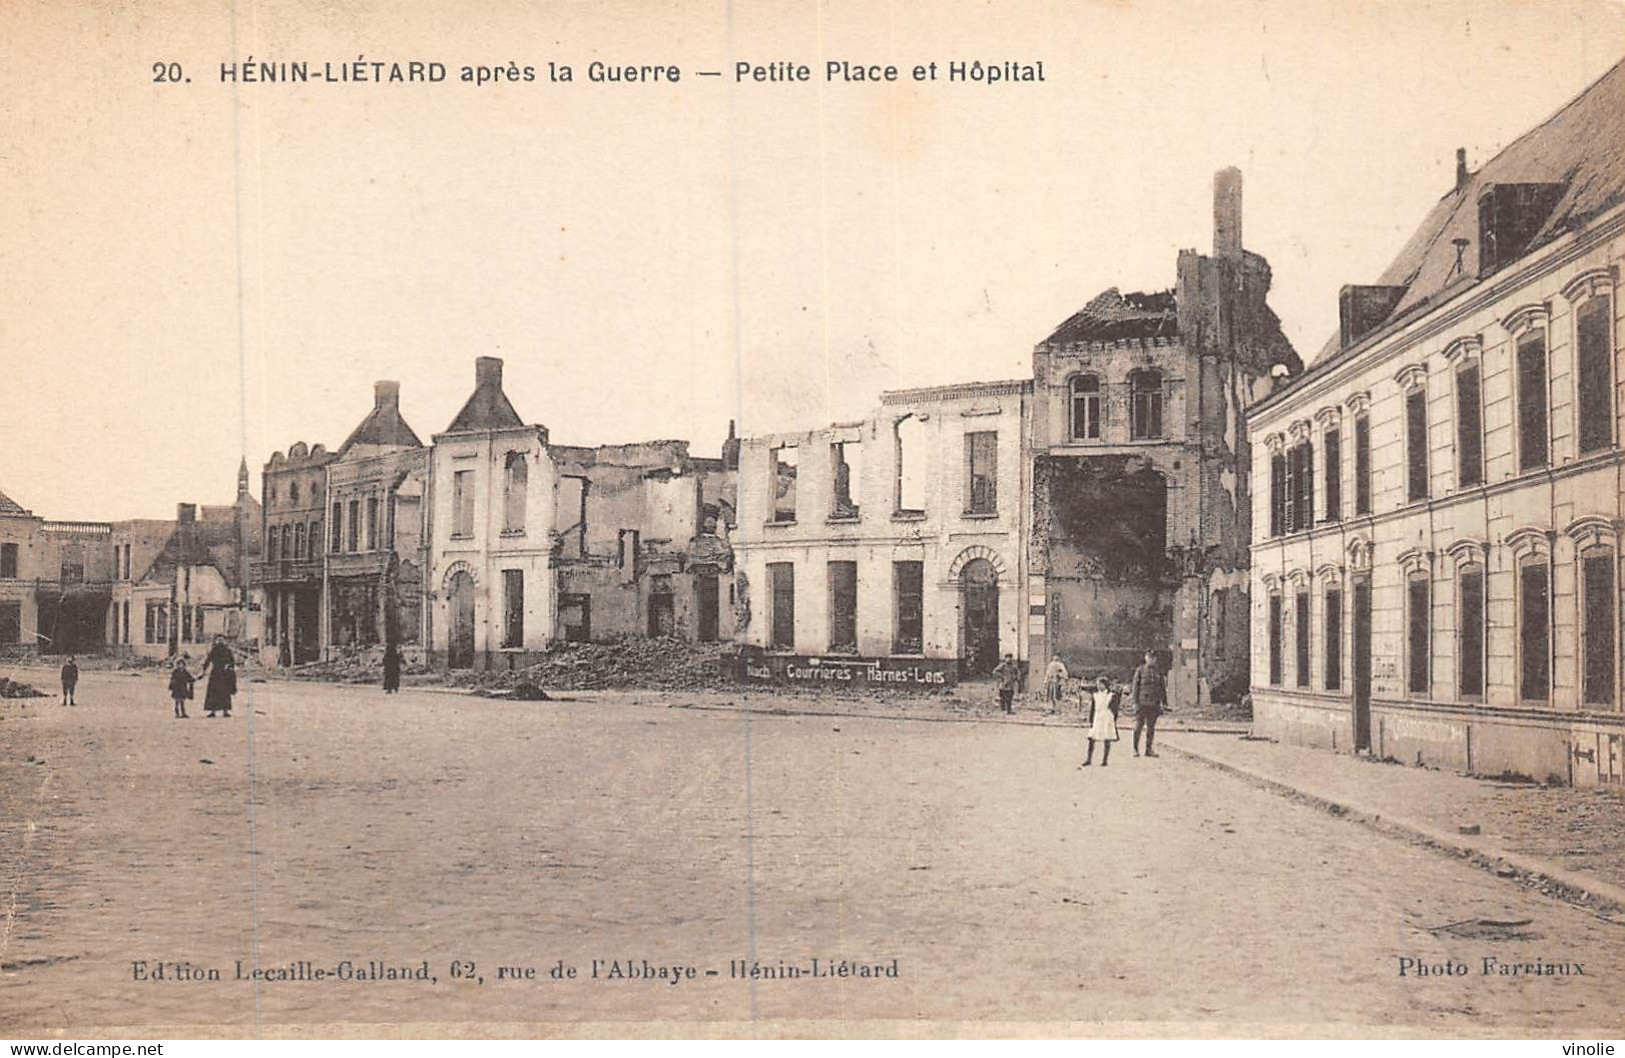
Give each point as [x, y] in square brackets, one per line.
[1227, 213]
[386, 394]
[185, 513]
[1461, 168]
[488, 373]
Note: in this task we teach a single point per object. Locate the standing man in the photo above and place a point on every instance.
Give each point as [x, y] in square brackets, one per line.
[1009, 674]
[1149, 691]
[1055, 677]
[70, 680]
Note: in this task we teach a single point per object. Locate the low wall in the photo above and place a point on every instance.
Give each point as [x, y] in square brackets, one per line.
[843, 671]
[1564, 748]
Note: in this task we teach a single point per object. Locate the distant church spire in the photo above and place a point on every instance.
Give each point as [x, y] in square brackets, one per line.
[242, 478]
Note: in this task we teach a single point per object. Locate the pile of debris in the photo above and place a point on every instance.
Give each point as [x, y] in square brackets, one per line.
[354, 667]
[13, 689]
[633, 662]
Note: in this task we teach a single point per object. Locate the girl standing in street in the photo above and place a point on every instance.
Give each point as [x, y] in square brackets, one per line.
[180, 686]
[1104, 726]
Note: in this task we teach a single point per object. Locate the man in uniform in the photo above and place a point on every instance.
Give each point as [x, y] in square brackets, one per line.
[1149, 692]
[1009, 674]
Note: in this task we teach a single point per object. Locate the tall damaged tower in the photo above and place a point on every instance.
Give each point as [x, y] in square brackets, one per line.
[1141, 510]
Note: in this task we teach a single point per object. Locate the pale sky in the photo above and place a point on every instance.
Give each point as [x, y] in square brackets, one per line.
[195, 271]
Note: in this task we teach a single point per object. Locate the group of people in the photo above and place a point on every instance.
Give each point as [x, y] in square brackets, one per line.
[1147, 691]
[220, 665]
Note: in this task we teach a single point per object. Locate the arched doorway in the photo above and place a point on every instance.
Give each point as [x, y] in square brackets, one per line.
[460, 648]
[979, 607]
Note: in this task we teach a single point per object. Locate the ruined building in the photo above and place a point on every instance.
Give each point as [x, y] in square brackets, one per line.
[1141, 466]
[197, 583]
[1436, 572]
[55, 583]
[888, 550]
[532, 542]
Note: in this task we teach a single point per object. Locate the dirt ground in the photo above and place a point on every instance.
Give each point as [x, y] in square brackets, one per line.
[1015, 892]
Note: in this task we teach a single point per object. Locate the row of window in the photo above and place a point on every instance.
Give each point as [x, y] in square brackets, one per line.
[1087, 393]
[981, 475]
[293, 494]
[515, 481]
[292, 541]
[1293, 472]
[908, 606]
[1533, 625]
[160, 623]
[69, 572]
[355, 527]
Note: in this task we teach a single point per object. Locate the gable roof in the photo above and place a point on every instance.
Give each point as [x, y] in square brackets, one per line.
[487, 409]
[1582, 147]
[211, 540]
[383, 426]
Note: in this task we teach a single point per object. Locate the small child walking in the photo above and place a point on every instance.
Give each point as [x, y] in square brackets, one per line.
[180, 687]
[1103, 726]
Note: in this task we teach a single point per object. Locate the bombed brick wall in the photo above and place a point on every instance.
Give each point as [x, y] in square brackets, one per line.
[1100, 536]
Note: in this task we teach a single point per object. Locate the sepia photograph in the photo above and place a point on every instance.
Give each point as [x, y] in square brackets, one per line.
[812, 519]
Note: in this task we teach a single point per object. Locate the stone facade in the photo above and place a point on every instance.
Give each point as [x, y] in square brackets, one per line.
[376, 548]
[294, 488]
[643, 542]
[897, 537]
[531, 542]
[1440, 583]
[55, 583]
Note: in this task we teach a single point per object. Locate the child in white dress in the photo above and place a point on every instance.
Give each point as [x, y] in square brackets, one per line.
[1103, 726]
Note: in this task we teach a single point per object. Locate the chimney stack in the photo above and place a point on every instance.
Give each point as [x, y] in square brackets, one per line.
[386, 394]
[185, 513]
[487, 373]
[1461, 168]
[1227, 213]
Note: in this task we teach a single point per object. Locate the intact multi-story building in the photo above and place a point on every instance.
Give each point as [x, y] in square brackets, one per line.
[294, 488]
[1141, 470]
[1435, 570]
[376, 546]
[890, 549]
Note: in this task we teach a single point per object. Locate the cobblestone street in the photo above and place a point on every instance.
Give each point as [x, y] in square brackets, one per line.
[324, 823]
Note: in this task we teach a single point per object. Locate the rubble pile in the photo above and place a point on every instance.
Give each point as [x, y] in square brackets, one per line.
[645, 663]
[354, 668]
[13, 689]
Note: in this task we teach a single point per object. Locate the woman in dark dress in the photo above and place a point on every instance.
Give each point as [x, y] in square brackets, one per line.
[392, 668]
[221, 666]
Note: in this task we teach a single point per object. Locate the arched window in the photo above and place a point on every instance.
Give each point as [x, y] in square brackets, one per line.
[1145, 411]
[1530, 392]
[299, 541]
[515, 476]
[1592, 296]
[1085, 408]
[293, 493]
[271, 540]
[287, 541]
[1531, 547]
